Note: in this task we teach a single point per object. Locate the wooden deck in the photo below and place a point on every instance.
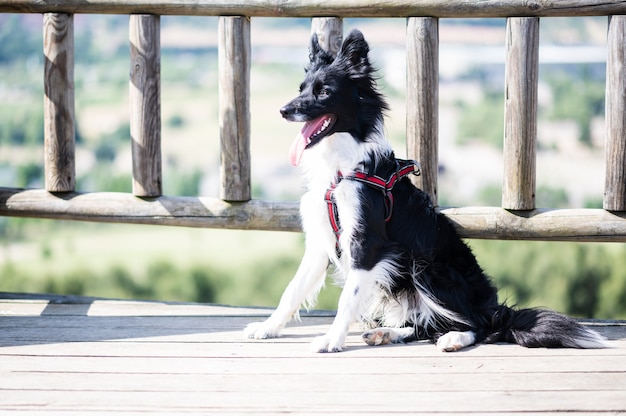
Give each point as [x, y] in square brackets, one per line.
[65, 355]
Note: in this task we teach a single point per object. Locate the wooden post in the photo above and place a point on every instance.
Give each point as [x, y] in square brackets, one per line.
[145, 104]
[234, 107]
[59, 131]
[329, 32]
[615, 182]
[422, 97]
[520, 113]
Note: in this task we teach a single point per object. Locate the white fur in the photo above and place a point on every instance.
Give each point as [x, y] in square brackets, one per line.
[362, 297]
[336, 153]
[303, 288]
[593, 340]
[347, 313]
[367, 294]
[456, 340]
[418, 307]
[339, 152]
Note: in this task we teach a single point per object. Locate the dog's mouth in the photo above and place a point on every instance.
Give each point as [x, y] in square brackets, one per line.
[312, 132]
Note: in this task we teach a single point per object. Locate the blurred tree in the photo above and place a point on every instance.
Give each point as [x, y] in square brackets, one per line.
[578, 95]
[16, 40]
[29, 174]
[547, 196]
[483, 121]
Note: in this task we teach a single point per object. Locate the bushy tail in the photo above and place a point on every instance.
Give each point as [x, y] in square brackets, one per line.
[535, 328]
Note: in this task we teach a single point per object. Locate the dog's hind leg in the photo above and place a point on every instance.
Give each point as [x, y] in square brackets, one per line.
[304, 286]
[384, 335]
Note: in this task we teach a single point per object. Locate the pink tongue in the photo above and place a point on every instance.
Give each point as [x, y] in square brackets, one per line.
[297, 147]
[303, 139]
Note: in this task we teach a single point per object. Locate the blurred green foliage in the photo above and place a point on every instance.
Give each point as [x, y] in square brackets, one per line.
[577, 95]
[483, 121]
[15, 43]
[580, 279]
[585, 280]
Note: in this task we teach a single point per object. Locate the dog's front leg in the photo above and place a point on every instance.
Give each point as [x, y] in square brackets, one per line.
[306, 283]
[347, 313]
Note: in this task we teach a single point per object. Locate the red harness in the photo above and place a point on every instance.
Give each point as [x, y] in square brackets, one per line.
[403, 168]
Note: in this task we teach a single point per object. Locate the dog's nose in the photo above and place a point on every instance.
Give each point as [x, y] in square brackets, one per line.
[287, 110]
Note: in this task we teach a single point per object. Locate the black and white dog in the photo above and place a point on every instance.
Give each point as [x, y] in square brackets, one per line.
[404, 269]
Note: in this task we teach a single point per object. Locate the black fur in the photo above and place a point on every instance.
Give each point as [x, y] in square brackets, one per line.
[428, 255]
[327, 89]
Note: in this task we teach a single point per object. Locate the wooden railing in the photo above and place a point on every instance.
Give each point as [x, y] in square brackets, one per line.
[517, 218]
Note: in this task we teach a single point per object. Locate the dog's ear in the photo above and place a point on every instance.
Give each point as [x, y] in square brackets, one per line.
[353, 53]
[315, 49]
[317, 55]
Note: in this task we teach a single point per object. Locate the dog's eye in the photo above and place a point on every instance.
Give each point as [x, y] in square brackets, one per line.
[322, 93]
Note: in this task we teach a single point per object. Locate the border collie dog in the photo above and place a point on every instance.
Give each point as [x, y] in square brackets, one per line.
[404, 269]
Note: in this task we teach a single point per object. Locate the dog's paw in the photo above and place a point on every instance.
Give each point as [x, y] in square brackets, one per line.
[261, 330]
[324, 344]
[384, 336]
[377, 336]
[455, 341]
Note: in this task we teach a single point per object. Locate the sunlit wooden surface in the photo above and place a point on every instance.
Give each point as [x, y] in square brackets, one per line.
[74, 356]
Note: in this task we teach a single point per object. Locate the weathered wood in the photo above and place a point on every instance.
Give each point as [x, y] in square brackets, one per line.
[329, 32]
[422, 97]
[59, 131]
[592, 225]
[471, 222]
[177, 211]
[615, 182]
[214, 383]
[310, 8]
[145, 104]
[522, 41]
[108, 359]
[234, 107]
[520, 113]
[306, 401]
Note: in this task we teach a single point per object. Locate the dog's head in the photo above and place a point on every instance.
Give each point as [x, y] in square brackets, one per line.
[338, 94]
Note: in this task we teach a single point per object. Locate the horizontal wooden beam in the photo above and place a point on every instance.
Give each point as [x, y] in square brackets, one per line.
[492, 223]
[311, 8]
[595, 225]
[118, 207]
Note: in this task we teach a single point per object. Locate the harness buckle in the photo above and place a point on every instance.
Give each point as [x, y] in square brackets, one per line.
[417, 171]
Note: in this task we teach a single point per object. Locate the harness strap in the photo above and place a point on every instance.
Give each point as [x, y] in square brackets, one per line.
[333, 215]
[403, 168]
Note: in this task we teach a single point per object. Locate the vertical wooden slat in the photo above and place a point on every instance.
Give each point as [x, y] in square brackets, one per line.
[422, 97]
[234, 107]
[145, 104]
[520, 113]
[615, 182]
[59, 131]
[329, 32]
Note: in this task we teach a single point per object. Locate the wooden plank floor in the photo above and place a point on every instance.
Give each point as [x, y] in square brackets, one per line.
[74, 356]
